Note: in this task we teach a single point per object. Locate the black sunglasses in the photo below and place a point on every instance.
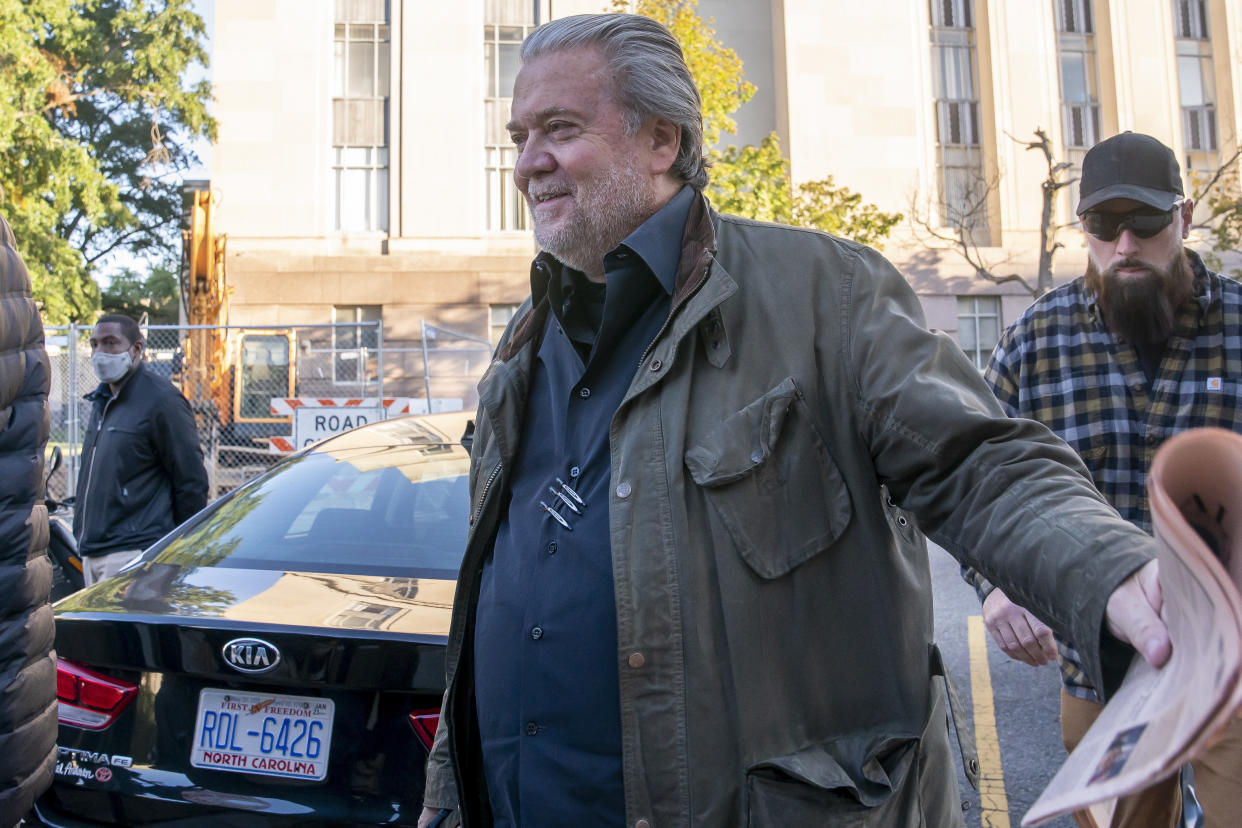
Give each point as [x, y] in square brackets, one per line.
[1144, 222]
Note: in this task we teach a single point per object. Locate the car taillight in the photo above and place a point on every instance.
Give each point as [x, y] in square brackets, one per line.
[88, 699]
[425, 723]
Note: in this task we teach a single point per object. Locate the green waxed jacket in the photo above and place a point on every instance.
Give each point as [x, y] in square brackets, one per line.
[774, 608]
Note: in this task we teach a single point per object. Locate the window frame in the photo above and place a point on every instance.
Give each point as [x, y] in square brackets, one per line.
[1196, 70]
[958, 117]
[960, 14]
[498, 318]
[362, 157]
[1080, 119]
[1079, 20]
[973, 316]
[504, 208]
[1191, 20]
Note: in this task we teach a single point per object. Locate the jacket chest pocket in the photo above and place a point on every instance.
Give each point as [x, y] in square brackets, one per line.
[772, 483]
[125, 445]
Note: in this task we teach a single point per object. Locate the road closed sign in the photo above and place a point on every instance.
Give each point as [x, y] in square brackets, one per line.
[313, 423]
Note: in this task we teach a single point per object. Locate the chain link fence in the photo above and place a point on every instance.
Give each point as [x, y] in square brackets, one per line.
[246, 383]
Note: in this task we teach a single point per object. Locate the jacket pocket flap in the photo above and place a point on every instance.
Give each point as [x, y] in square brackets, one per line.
[878, 769]
[744, 440]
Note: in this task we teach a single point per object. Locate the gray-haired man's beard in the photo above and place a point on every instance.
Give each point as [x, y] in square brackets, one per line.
[606, 210]
[1141, 309]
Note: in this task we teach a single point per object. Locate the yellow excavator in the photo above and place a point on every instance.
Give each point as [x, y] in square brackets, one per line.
[229, 375]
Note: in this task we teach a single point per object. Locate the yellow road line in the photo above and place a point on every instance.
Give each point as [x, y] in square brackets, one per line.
[993, 804]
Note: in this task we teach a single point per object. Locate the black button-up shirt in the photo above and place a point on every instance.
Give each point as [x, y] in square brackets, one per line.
[545, 642]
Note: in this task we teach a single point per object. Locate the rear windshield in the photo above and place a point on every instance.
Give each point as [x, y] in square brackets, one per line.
[401, 512]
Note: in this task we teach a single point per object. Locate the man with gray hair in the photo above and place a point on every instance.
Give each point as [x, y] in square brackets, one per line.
[694, 592]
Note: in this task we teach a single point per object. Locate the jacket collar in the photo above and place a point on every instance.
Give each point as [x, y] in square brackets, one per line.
[103, 392]
[698, 246]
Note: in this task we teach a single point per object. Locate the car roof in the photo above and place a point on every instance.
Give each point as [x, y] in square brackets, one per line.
[402, 442]
[420, 429]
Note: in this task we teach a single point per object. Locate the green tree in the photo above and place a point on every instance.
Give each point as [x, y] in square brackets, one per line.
[754, 181]
[157, 295]
[95, 131]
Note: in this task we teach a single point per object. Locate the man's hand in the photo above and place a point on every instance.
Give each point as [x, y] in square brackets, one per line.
[1133, 615]
[427, 816]
[1020, 635]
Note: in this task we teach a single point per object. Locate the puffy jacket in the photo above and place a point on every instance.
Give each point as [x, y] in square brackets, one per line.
[27, 662]
[142, 469]
[774, 609]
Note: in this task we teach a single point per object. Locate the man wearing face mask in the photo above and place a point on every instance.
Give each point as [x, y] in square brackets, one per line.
[142, 470]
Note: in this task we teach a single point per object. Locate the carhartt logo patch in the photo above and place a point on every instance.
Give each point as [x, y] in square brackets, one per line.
[1213, 383]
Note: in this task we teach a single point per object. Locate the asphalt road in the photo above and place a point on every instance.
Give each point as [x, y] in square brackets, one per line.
[1025, 701]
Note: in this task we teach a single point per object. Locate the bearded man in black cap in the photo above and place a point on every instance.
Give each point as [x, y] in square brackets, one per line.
[1147, 344]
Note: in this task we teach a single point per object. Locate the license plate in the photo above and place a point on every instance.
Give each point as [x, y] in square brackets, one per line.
[263, 733]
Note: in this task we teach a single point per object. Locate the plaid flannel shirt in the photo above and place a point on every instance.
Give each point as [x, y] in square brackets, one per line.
[1058, 364]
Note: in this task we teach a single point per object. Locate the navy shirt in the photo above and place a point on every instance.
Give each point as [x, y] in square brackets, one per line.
[546, 674]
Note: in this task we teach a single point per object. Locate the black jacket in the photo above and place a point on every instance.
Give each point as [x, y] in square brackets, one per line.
[142, 470]
[27, 666]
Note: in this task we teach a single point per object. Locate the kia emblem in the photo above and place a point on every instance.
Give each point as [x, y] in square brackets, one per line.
[251, 655]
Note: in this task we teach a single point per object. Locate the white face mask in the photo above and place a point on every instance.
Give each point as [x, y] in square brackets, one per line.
[111, 367]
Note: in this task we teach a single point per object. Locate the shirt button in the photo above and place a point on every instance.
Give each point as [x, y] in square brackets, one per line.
[575, 471]
[536, 633]
[584, 392]
[623, 490]
[756, 456]
[1151, 439]
[642, 823]
[656, 365]
[552, 548]
[636, 660]
[532, 729]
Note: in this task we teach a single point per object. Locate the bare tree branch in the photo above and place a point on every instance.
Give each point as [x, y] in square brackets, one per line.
[962, 216]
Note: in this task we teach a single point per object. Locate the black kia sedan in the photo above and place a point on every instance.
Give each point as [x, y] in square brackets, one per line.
[279, 658]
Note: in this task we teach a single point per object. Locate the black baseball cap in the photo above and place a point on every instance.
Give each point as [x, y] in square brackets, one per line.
[1130, 165]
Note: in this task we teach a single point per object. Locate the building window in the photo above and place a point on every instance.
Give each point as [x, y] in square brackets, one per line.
[957, 105]
[1197, 86]
[501, 315]
[978, 327]
[1191, 19]
[507, 22]
[963, 188]
[1199, 127]
[506, 206]
[952, 14]
[1196, 81]
[1080, 90]
[360, 88]
[1074, 16]
[355, 346]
